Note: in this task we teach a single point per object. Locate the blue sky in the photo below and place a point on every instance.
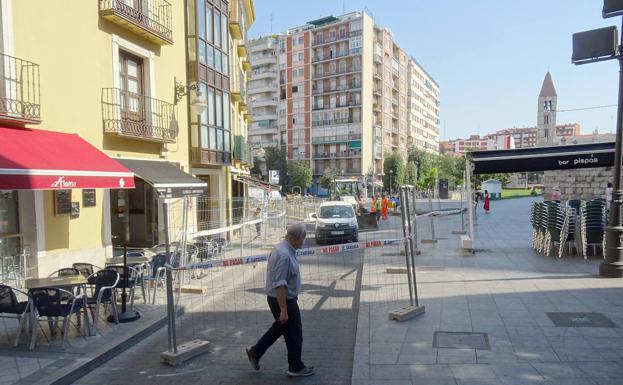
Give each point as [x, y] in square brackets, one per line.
[488, 56]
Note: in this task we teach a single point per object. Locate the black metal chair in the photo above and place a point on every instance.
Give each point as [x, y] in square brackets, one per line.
[105, 283]
[157, 271]
[87, 270]
[53, 303]
[65, 272]
[10, 307]
[133, 278]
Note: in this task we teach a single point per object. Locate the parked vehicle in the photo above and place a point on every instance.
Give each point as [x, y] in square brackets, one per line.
[336, 221]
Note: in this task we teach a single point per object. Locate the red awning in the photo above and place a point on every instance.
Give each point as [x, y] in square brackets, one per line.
[48, 160]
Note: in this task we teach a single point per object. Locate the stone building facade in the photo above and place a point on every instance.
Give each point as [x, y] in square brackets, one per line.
[578, 184]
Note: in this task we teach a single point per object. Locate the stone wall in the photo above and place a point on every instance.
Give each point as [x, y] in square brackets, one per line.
[578, 184]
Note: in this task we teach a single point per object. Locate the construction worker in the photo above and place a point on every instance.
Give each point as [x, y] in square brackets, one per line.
[373, 205]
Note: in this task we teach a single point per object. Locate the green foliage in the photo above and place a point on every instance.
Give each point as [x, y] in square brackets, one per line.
[411, 174]
[326, 180]
[276, 160]
[256, 169]
[393, 170]
[427, 181]
[301, 174]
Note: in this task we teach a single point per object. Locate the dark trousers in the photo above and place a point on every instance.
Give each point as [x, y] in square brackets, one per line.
[292, 332]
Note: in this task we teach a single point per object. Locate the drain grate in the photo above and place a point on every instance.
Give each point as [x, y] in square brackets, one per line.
[580, 320]
[461, 340]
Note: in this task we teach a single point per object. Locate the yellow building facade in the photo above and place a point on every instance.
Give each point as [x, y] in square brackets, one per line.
[107, 72]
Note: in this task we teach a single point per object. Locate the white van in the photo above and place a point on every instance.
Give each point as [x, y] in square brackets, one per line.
[336, 221]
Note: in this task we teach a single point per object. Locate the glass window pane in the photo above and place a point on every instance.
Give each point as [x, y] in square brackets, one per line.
[219, 139]
[226, 109]
[211, 106]
[133, 86]
[217, 60]
[213, 138]
[209, 23]
[217, 28]
[202, 52]
[210, 56]
[225, 65]
[224, 32]
[204, 137]
[132, 68]
[226, 140]
[201, 29]
[219, 110]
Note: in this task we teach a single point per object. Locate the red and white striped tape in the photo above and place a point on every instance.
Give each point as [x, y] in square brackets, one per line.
[333, 249]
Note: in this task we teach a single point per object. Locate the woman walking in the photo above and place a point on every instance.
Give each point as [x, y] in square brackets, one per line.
[486, 204]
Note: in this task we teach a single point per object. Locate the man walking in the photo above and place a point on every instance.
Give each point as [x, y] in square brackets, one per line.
[283, 283]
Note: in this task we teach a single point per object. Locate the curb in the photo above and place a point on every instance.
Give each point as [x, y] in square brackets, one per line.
[80, 368]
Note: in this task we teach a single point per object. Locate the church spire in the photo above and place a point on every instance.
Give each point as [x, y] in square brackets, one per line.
[547, 89]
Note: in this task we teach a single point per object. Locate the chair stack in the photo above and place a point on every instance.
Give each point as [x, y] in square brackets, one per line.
[593, 221]
[567, 235]
[556, 214]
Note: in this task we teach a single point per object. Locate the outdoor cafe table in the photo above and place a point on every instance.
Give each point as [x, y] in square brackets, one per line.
[58, 282]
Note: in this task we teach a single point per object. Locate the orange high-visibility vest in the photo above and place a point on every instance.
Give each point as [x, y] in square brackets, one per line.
[373, 206]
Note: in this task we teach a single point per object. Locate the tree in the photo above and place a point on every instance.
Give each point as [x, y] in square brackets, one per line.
[428, 180]
[423, 160]
[256, 169]
[411, 174]
[276, 160]
[326, 180]
[301, 174]
[393, 170]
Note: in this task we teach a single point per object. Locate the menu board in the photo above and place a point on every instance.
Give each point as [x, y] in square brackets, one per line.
[88, 198]
[62, 202]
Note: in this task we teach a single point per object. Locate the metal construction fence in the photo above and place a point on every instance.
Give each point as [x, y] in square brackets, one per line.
[219, 274]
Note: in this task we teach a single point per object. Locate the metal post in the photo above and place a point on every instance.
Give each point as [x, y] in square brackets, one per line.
[416, 250]
[411, 248]
[407, 235]
[169, 275]
[470, 205]
[432, 222]
[612, 266]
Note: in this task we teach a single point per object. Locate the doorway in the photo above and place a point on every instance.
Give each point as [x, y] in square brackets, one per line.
[134, 216]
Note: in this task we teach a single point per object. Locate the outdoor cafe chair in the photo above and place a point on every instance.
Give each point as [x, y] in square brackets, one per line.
[10, 307]
[53, 303]
[105, 283]
[156, 276]
[134, 277]
[86, 269]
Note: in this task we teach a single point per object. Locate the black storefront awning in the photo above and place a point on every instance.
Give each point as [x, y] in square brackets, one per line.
[166, 178]
[543, 158]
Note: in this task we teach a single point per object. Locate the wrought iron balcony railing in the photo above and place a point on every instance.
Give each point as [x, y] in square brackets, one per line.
[19, 90]
[151, 19]
[138, 116]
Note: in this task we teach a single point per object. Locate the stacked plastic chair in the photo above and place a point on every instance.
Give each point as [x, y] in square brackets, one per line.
[538, 225]
[555, 219]
[593, 221]
[568, 236]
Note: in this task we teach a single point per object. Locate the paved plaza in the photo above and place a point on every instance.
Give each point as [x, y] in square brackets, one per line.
[504, 315]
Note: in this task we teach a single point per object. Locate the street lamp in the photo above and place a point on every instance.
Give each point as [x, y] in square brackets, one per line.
[589, 47]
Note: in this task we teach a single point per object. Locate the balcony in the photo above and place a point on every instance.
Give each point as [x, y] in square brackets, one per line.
[246, 65]
[378, 58]
[377, 92]
[376, 107]
[242, 50]
[378, 75]
[20, 96]
[346, 70]
[150, 19]
[241, 150]
[395, 101]
[395, 130]
[327, 122]
[138, 116]
[338, 55]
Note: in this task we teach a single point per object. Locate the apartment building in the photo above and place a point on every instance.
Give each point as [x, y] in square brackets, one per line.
[217, 67]
[102, 121]
[263, 89]
[423, 109]
[473, 143]
[345, 95]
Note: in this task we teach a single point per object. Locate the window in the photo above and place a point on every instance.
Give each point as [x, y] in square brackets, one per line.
[225, 65]
[342, 33]
[301, 40]
[131, 84]
[208, 20]
[217, 29]
[226, 111]
[224, 32]
[301, 56]
[295, 89]
[201, 14]
[219, 109]
[332, 35]
[213, 138]
[217, 60]
[211, 114]
[294, 42]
